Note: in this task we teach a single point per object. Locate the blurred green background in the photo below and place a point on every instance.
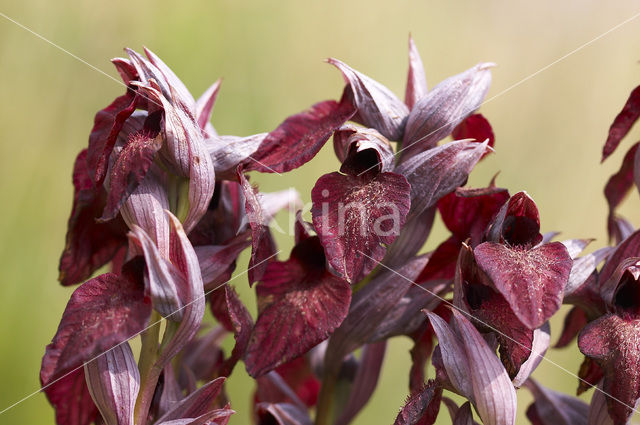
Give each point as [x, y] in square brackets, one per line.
[549, 129]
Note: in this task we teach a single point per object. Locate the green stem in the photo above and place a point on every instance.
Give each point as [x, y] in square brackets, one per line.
[325, 408]
[148, 375]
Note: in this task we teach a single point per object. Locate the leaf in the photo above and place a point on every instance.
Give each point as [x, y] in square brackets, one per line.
[532, 281]
[355, 215]
[438, 113]
[299, 138]
[622, 123]
[300, 304]
[377, 107]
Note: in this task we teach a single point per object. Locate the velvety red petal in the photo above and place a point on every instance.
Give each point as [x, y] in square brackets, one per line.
[354, 216]
[618, 187]
[422, 407]
[532, 281]
[299, 138]
[468, 212]
[101, 313]
[614, 343]
[300, 304]
[71, 400]
[622, 123]
[475, 127]
[89, 244]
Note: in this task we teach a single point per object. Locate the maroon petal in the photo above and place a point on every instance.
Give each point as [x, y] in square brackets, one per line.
[227, 152]
[411, 239]
[468, 212]
[590, 374]
[355, 215]
[475, 127]
[422, 407]
[299, 138]
[144, 208]
[531, 281]
[114, 381]
[377, 106]
[129, 169]
[438, 171]
[554, 408]
[204, 105]
[473, 292]
[630, 247]
[89, 245]
[107, 125]
[370, 306]
[489, 384]
[282, 414]
[416, 80]
[300, 304]
[350, 142]
[622, 123]
[234, 316]
[517, 222]
[293, 382]
[263, 247]
[196, 403]
[101, 313]
[442, 263]
[187, 155]
[365, 381]
[73, 386]
[217, 262]
[574, 321]
[539, 346]
[443, 108]
[618, 187]
[464, 416]
[126, 69]
[598, 414]
[614, 343]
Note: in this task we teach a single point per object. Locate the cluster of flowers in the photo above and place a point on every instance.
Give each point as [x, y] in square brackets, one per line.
[165, 200]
